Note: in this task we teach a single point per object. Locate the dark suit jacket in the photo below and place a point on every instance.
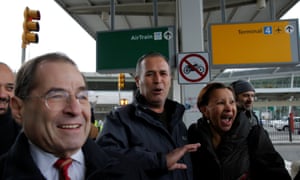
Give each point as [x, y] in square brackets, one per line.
[297, 177]
[9, 130]
[18, 164]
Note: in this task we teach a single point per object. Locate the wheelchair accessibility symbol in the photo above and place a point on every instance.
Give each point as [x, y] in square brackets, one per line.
[193, 68]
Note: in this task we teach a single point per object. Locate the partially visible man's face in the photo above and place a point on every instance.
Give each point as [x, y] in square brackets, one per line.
[245, 100]
[6, 87]
[154, 81]
[59, 127]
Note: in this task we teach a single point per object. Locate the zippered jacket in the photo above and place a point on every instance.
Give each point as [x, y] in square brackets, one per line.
[136, 131]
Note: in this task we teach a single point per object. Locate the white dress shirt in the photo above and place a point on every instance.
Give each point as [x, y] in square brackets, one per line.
[45, 161]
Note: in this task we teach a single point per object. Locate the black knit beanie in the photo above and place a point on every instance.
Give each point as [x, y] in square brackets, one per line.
[241, 86]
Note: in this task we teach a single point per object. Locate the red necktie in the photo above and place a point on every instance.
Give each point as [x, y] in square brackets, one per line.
[62, 165]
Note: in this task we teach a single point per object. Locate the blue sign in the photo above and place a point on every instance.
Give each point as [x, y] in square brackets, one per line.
[268, 30]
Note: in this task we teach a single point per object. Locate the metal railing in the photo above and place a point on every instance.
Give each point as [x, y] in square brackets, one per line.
[283, 135]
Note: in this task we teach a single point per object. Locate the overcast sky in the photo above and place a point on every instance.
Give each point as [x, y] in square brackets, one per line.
[58, 32]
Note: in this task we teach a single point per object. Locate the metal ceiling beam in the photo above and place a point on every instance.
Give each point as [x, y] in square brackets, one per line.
[231, 15]
[164, 8]
[146, 9]
[288, 6]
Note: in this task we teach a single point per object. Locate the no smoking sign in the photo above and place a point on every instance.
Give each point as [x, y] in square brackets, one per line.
[193, 68]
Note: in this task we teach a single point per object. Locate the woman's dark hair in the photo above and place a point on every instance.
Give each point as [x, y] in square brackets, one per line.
[205, 93]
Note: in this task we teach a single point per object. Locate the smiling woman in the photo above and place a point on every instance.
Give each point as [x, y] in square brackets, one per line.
[229, 146]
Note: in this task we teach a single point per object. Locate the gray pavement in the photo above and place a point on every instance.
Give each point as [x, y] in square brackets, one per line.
[289, 151]
[288, 146]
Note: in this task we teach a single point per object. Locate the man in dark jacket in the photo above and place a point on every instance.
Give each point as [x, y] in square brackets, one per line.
[9, 129]
[245, 93]
[151, 130]
[51, 103]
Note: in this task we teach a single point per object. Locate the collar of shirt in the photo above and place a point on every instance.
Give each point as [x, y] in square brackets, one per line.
[45, 161]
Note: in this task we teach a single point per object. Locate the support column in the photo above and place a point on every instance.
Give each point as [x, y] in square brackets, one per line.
[190, 26]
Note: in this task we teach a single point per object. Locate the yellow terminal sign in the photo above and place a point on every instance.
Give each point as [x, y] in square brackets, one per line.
[256, 43]
[30, 25]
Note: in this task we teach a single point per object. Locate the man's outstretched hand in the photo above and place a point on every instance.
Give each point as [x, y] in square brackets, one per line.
[177, 154]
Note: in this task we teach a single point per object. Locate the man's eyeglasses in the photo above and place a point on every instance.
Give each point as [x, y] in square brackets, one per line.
[57, 100]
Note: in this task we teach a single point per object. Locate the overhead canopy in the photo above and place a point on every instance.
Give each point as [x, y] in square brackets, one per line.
[94, 15]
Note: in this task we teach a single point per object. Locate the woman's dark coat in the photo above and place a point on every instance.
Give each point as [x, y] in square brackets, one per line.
[243, 152]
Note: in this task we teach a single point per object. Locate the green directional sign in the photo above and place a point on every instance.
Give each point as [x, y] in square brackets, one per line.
[118, 51]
